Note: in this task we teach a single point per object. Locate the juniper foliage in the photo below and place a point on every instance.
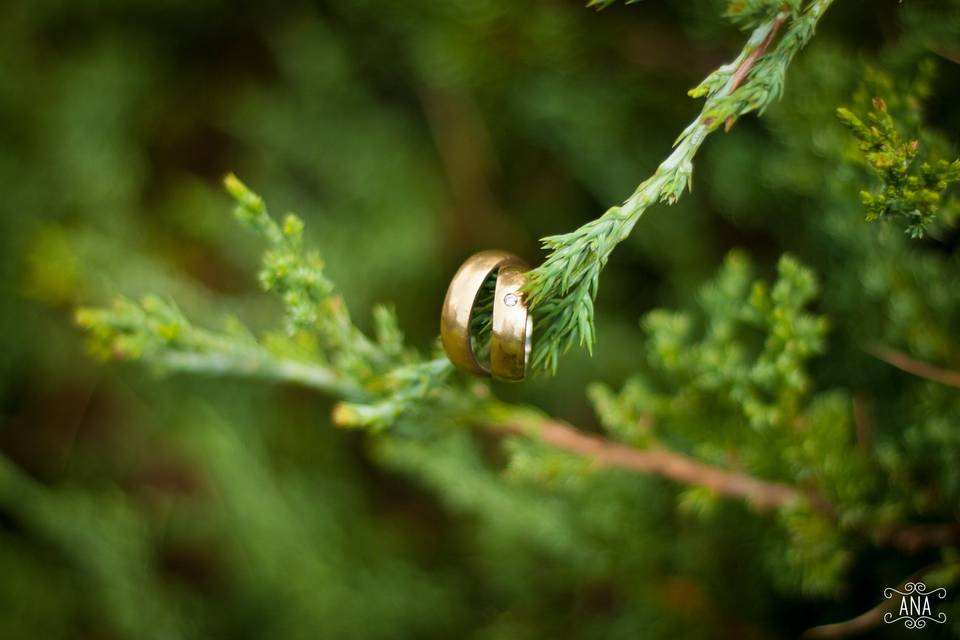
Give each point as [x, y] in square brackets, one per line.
[914, 193]
[562, 290]
[782, 424]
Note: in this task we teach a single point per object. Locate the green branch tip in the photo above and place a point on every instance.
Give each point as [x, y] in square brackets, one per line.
[562, 290]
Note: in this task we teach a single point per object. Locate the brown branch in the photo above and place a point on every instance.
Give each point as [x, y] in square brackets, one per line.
[674, 466]
[763, 494]
[952, 56]
[913, 538]
[855, 626]
[916, 367]
[741, 73]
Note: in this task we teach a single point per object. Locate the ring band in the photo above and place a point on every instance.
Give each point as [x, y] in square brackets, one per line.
[458, 310]
[512, 327]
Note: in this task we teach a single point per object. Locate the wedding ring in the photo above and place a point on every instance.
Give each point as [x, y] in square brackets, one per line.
[512, 326]
[458, 309]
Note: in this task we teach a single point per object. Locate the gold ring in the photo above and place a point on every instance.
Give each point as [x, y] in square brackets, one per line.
[458, 310]
[512, 326]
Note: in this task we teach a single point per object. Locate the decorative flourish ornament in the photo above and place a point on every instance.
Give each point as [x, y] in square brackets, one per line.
[511, 328]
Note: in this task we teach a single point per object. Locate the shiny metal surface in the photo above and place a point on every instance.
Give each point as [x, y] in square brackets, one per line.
[459, 303]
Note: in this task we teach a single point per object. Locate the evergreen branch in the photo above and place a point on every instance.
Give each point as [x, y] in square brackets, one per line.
[156, 332]
[912, 193]
[379, 378]
[913, 366]
[379, 381]
[262, 366]
[562, 290]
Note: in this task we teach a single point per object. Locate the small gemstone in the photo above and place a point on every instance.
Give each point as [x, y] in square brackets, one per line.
[511, 299]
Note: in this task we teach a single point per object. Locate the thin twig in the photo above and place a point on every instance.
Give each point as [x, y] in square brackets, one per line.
[763, 494]
[262, 365]
[854, 626]
[914, 538]
[918, 368]
[674, 466]
[749, 61]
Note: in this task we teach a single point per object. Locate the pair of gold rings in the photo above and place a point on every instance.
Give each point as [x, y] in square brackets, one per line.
[512, 326]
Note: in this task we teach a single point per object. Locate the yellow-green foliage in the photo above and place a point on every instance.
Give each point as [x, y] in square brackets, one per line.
[914, 193]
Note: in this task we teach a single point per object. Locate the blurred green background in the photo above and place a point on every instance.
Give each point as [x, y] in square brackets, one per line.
[407, 135]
